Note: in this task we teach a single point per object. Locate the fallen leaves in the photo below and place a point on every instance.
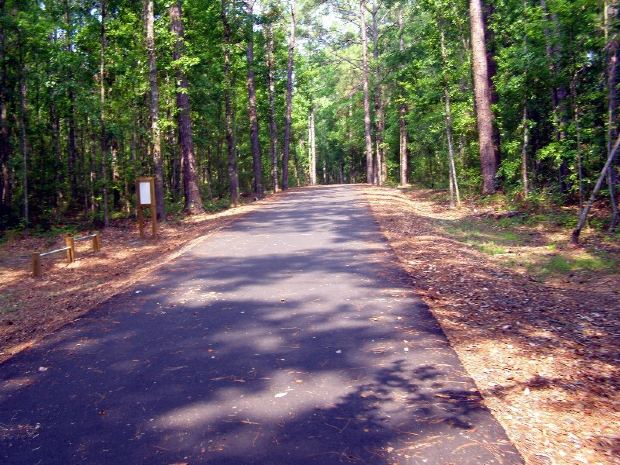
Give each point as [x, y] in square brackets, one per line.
[32, 308]
[543, 353]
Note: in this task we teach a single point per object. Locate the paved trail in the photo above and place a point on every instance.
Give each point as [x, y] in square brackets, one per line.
[290, 338]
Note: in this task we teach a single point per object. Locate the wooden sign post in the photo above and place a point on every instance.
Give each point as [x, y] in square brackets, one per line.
[145, 191]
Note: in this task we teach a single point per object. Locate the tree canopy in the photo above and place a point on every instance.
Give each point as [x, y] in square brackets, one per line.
[220, 99]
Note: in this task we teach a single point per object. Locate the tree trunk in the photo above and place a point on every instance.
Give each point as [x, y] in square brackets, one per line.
[5, 141]
[599, 183]
[312, 148]
[402, 112]
[252, 112]
[351, 151]
[149, 19]
[381, 172]
[482, 91]
[370, 173]
[289, 99]
[103, 134]
[229, 109]
[273, 128]
[55, 132]
[526, 139]
[23, 139]
[193, 201]
[612, 47]
[72, 155]
[455, 196]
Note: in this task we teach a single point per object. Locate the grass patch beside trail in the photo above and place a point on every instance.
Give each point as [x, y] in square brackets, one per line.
[483, 236]
[561, 264]
[535, 244]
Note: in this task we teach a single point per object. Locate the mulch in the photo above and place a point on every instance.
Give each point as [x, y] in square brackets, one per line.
[544, 355]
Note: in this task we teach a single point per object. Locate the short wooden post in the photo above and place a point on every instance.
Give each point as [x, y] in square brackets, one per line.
[141, 221]
[36, 264]
[70, 242]
[96, 243]
[153, 210]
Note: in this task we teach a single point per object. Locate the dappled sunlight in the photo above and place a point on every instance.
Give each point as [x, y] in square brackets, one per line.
[295, 350]
[276, 399]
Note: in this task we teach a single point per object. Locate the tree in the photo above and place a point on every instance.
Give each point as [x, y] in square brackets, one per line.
[149, 19]
[402, 110]
[5, 142]
[193, 201]
[229, 85]
[482, 88]
[273, 128]
[370, 171]
[289, 98]
[312, 148]
[103, 138]
[252, 111]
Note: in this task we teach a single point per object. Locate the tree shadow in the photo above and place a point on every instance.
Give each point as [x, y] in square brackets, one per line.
[282, 349]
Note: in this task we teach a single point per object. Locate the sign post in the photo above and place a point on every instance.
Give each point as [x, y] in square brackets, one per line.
[145, 191]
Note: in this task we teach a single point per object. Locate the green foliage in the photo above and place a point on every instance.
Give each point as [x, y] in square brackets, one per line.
[539, 56]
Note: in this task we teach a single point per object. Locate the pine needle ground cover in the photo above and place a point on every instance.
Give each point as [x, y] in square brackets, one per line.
[536, 323]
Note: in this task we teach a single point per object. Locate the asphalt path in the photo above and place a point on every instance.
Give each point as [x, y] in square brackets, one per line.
[292, 337]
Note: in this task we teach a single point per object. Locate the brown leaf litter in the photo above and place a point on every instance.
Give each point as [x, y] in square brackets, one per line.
[545, 355]
[31, 308]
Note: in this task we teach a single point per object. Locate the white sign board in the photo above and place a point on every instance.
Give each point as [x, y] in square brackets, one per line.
[145, 193]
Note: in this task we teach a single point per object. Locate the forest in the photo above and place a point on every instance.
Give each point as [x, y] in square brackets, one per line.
[231, 98]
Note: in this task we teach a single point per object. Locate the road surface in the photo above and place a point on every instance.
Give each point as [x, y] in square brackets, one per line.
[290, 338]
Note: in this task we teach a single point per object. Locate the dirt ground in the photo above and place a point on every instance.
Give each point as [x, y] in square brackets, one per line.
[543, 346]
[31, 308]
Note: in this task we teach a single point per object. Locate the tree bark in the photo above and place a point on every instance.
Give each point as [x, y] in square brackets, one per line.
[455, 196]
[5, 141]
[402, 112]
[312, 148]
[273, 128]
[370, 173]
[158, 161]
[103, 133]
[56, 196]
[233, 175]
[23, 139]
[193, 200]
[72, 155]
[612, 47]
[482, 91]
[289, 99]
[252, 111]
[524, 146]
[381, 171]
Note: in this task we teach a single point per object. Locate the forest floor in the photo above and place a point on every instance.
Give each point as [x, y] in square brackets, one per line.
[32, 308]
[535, 322]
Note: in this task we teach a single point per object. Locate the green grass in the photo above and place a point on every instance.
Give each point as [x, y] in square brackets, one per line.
[485, 236]
[490, 248]
[558, 265]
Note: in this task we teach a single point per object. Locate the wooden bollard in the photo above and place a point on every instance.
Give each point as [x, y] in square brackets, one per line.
[70, 242]
[96, 243]
[36, 264]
